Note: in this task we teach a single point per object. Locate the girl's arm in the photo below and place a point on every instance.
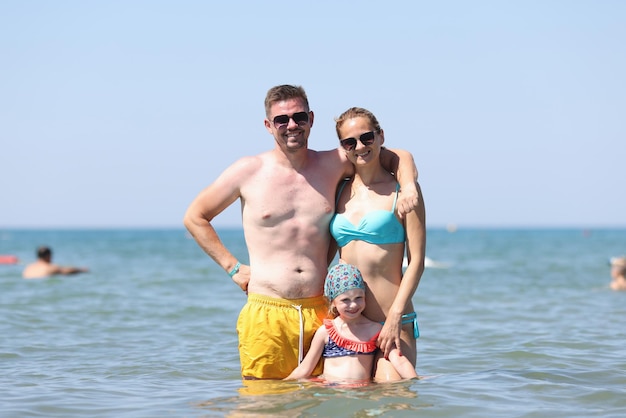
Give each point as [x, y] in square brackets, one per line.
[311, 358]
[402, 365]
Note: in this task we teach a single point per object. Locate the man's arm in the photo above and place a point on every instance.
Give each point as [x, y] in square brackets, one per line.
[401, 163]
[398, 162]
[208, 204]
[67, 270]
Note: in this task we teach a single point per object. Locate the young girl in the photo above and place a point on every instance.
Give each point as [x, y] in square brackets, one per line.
[347, 342]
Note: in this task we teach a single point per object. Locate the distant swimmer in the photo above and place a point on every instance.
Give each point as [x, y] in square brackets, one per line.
[43, 267]
[618, 273]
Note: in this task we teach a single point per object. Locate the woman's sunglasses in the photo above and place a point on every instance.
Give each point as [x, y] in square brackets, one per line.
[300, 118]
[366, 139]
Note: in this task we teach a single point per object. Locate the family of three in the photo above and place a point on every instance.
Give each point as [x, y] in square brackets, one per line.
[298, 207]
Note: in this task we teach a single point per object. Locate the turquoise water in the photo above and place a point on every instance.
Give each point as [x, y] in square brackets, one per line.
[521, 324]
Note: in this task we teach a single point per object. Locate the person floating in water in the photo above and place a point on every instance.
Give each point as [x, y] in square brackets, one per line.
[347, 342]
[43, 267]
[618, 273]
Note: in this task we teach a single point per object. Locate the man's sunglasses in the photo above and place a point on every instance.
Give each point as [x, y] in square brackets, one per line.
[300, 118]
[366, 139]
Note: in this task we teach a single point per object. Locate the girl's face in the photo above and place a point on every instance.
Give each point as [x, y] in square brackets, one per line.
[350, 304]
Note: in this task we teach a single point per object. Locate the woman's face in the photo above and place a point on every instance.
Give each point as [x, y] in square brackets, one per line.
[359, 141]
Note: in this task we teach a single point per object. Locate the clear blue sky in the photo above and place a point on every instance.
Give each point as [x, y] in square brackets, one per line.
[117, 113]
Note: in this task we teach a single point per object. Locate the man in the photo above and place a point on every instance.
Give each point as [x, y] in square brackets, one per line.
[287, 198]
[43, 267]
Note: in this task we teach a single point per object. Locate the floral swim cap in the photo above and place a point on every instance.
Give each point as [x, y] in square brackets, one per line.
[341, 278]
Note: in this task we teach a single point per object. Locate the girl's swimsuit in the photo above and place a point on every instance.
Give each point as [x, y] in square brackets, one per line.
[376, 227]
[339, 346]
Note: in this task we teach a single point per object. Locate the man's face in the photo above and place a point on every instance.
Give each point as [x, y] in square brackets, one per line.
[290, 124]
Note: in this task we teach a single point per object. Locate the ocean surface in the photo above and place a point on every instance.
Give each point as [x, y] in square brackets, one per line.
[517, 323]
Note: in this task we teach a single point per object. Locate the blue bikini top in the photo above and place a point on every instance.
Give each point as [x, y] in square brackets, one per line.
[376, 227]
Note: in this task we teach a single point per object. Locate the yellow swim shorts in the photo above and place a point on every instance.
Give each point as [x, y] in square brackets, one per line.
[274, 334]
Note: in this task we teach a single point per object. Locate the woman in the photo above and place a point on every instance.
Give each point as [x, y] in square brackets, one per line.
[372, 237]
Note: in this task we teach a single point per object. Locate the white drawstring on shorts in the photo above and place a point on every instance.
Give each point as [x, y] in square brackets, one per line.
[301, 340]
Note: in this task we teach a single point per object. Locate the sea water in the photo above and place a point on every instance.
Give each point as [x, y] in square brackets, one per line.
[518, 323]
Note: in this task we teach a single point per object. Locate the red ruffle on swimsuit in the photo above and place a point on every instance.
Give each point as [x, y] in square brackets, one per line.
[339, 346]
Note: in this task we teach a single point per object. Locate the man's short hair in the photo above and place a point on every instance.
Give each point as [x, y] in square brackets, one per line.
[44, 252]
[284, 92]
